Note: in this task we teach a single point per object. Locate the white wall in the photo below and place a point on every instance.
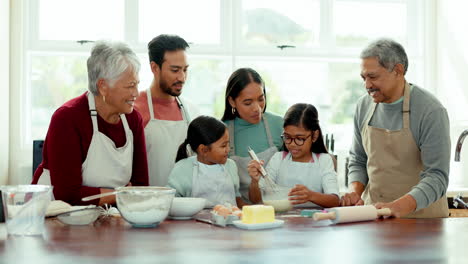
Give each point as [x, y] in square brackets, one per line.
[452, 76]
[17, 164]
[4, 87]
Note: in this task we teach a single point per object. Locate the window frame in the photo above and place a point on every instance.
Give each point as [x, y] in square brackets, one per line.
[230, 45]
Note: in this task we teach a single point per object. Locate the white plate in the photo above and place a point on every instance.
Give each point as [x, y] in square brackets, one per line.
[276, 223]
[180, 217]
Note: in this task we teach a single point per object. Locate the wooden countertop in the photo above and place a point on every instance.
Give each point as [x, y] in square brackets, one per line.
[458, 212]
[112, 240]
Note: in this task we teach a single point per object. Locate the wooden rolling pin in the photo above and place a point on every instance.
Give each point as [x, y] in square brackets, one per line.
[349, 214]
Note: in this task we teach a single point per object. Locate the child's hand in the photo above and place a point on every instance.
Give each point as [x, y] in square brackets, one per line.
[300, 194]
[254, 169]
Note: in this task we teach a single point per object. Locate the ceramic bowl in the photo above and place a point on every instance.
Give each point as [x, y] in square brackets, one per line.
[186, 207]
[144, 206]
[80, 217]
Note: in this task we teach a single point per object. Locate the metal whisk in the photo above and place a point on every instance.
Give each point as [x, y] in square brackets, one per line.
[270, 185]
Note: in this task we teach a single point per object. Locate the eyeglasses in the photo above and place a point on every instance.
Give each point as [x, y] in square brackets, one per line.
[298, 141]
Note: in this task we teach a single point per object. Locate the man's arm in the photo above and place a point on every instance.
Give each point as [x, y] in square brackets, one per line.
[434, 143]
[400, 207]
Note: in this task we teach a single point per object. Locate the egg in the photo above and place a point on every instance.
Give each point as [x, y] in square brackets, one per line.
[217, 207]
[224, 211]
[238, 213]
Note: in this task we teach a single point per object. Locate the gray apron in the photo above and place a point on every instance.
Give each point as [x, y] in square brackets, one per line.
[242, 162]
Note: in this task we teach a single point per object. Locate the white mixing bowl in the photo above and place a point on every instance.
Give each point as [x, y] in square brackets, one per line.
[186, 207]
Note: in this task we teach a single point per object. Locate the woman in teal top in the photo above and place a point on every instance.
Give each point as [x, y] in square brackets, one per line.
[248, 123]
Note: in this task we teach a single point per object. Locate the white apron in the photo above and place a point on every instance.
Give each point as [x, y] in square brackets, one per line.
[394, 164]
[213, 183]
[105, 166]
[292, 173]
[243, 162]
[163, 138]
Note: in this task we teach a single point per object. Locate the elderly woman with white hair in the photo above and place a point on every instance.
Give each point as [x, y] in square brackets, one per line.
[95, 141]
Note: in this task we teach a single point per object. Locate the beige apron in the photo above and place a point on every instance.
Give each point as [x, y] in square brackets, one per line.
[394, 164]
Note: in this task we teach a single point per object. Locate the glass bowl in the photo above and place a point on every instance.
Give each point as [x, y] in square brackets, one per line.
[278, 198]
[144, 206]
[25, 207]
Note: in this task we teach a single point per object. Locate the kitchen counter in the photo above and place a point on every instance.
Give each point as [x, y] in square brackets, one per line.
[112, 240]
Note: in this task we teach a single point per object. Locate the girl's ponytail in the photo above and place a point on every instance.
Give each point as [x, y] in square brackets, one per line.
[182, 151]
[202, 130]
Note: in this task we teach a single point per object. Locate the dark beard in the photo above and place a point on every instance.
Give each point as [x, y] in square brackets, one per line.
[167, 89]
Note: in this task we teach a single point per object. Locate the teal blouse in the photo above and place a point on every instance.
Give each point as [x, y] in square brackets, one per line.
[254, 135]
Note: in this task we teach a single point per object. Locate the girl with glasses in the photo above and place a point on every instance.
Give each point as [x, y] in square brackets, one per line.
[305, 166]
[209, 174]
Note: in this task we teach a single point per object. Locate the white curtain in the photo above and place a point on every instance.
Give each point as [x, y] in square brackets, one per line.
[4, 88]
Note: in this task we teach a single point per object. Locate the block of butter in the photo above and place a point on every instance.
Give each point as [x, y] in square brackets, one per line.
[257, 214]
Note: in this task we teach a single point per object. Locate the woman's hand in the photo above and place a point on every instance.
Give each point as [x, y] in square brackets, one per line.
[110, 200]
[300, 194]
[254, 170]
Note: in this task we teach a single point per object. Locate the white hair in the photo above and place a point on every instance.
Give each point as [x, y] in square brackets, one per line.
[388, 52]
[108, 61]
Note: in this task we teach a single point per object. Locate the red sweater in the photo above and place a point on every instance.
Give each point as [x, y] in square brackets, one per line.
[66, 147]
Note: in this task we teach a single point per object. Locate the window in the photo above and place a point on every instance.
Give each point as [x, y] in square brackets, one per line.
[452, 89]
[391, 16]
[76, 20]
[198, 21]
[317, 61]
[271, 23]
[55, 79]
